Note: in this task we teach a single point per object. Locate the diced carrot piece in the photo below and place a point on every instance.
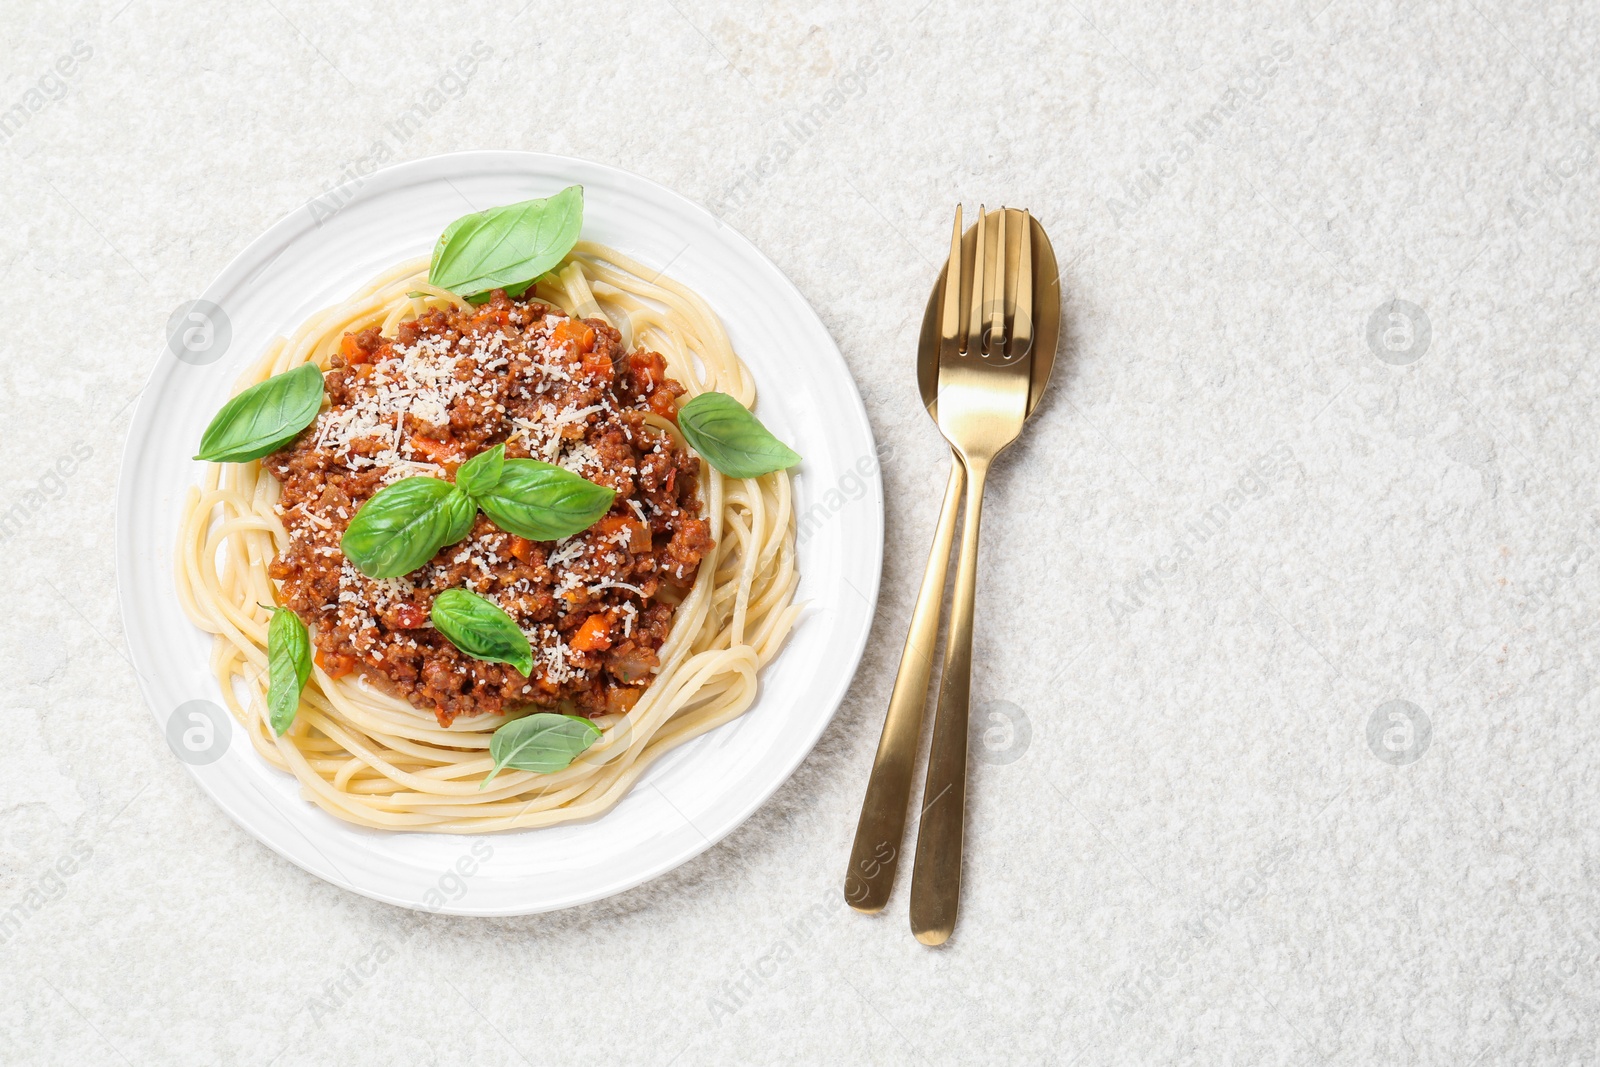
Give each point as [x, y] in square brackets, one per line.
[443, 453]
[574, 330]
[649, 370]
[352, 351]
[598, 365]
[494, 313]
[621, 701]
[665, 404]
[336, 666]
[522, 548]
[593, 636]
[638, 532]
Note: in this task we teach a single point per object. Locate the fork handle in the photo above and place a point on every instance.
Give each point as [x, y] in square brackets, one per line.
[936, 871]
[881, 830]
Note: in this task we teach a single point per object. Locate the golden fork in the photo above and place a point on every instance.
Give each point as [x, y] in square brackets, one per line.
[982, 404]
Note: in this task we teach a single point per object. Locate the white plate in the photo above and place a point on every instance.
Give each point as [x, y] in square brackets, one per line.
[694, 796]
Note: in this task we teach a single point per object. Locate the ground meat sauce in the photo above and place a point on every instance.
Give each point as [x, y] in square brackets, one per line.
[596, 606]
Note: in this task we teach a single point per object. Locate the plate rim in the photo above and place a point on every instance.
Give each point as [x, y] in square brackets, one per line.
[277, 237]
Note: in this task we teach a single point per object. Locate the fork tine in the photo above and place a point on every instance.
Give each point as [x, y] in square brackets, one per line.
[980, 278]
[1021, 331]
[994, 290]
[950, 314]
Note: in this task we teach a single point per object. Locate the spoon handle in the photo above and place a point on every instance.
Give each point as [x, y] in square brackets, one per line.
[881, 829]
[936, 872]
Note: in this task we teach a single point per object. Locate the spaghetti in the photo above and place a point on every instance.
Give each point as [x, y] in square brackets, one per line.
[369, 757]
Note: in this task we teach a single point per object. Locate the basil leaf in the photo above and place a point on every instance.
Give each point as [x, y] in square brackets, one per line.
[543, 742]
[480, 473]
[543, 502]
[480, 629]
[731, 439]
[288, 667]
[403, 525]
[507, 247]
[264, 417]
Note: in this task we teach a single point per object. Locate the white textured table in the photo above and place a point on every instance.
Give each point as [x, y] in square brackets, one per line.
[1262, 504]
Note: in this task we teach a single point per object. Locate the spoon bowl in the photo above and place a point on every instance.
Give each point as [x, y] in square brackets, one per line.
[1046, 310]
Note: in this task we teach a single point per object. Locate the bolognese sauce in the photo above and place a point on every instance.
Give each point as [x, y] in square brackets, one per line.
[596, 607]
